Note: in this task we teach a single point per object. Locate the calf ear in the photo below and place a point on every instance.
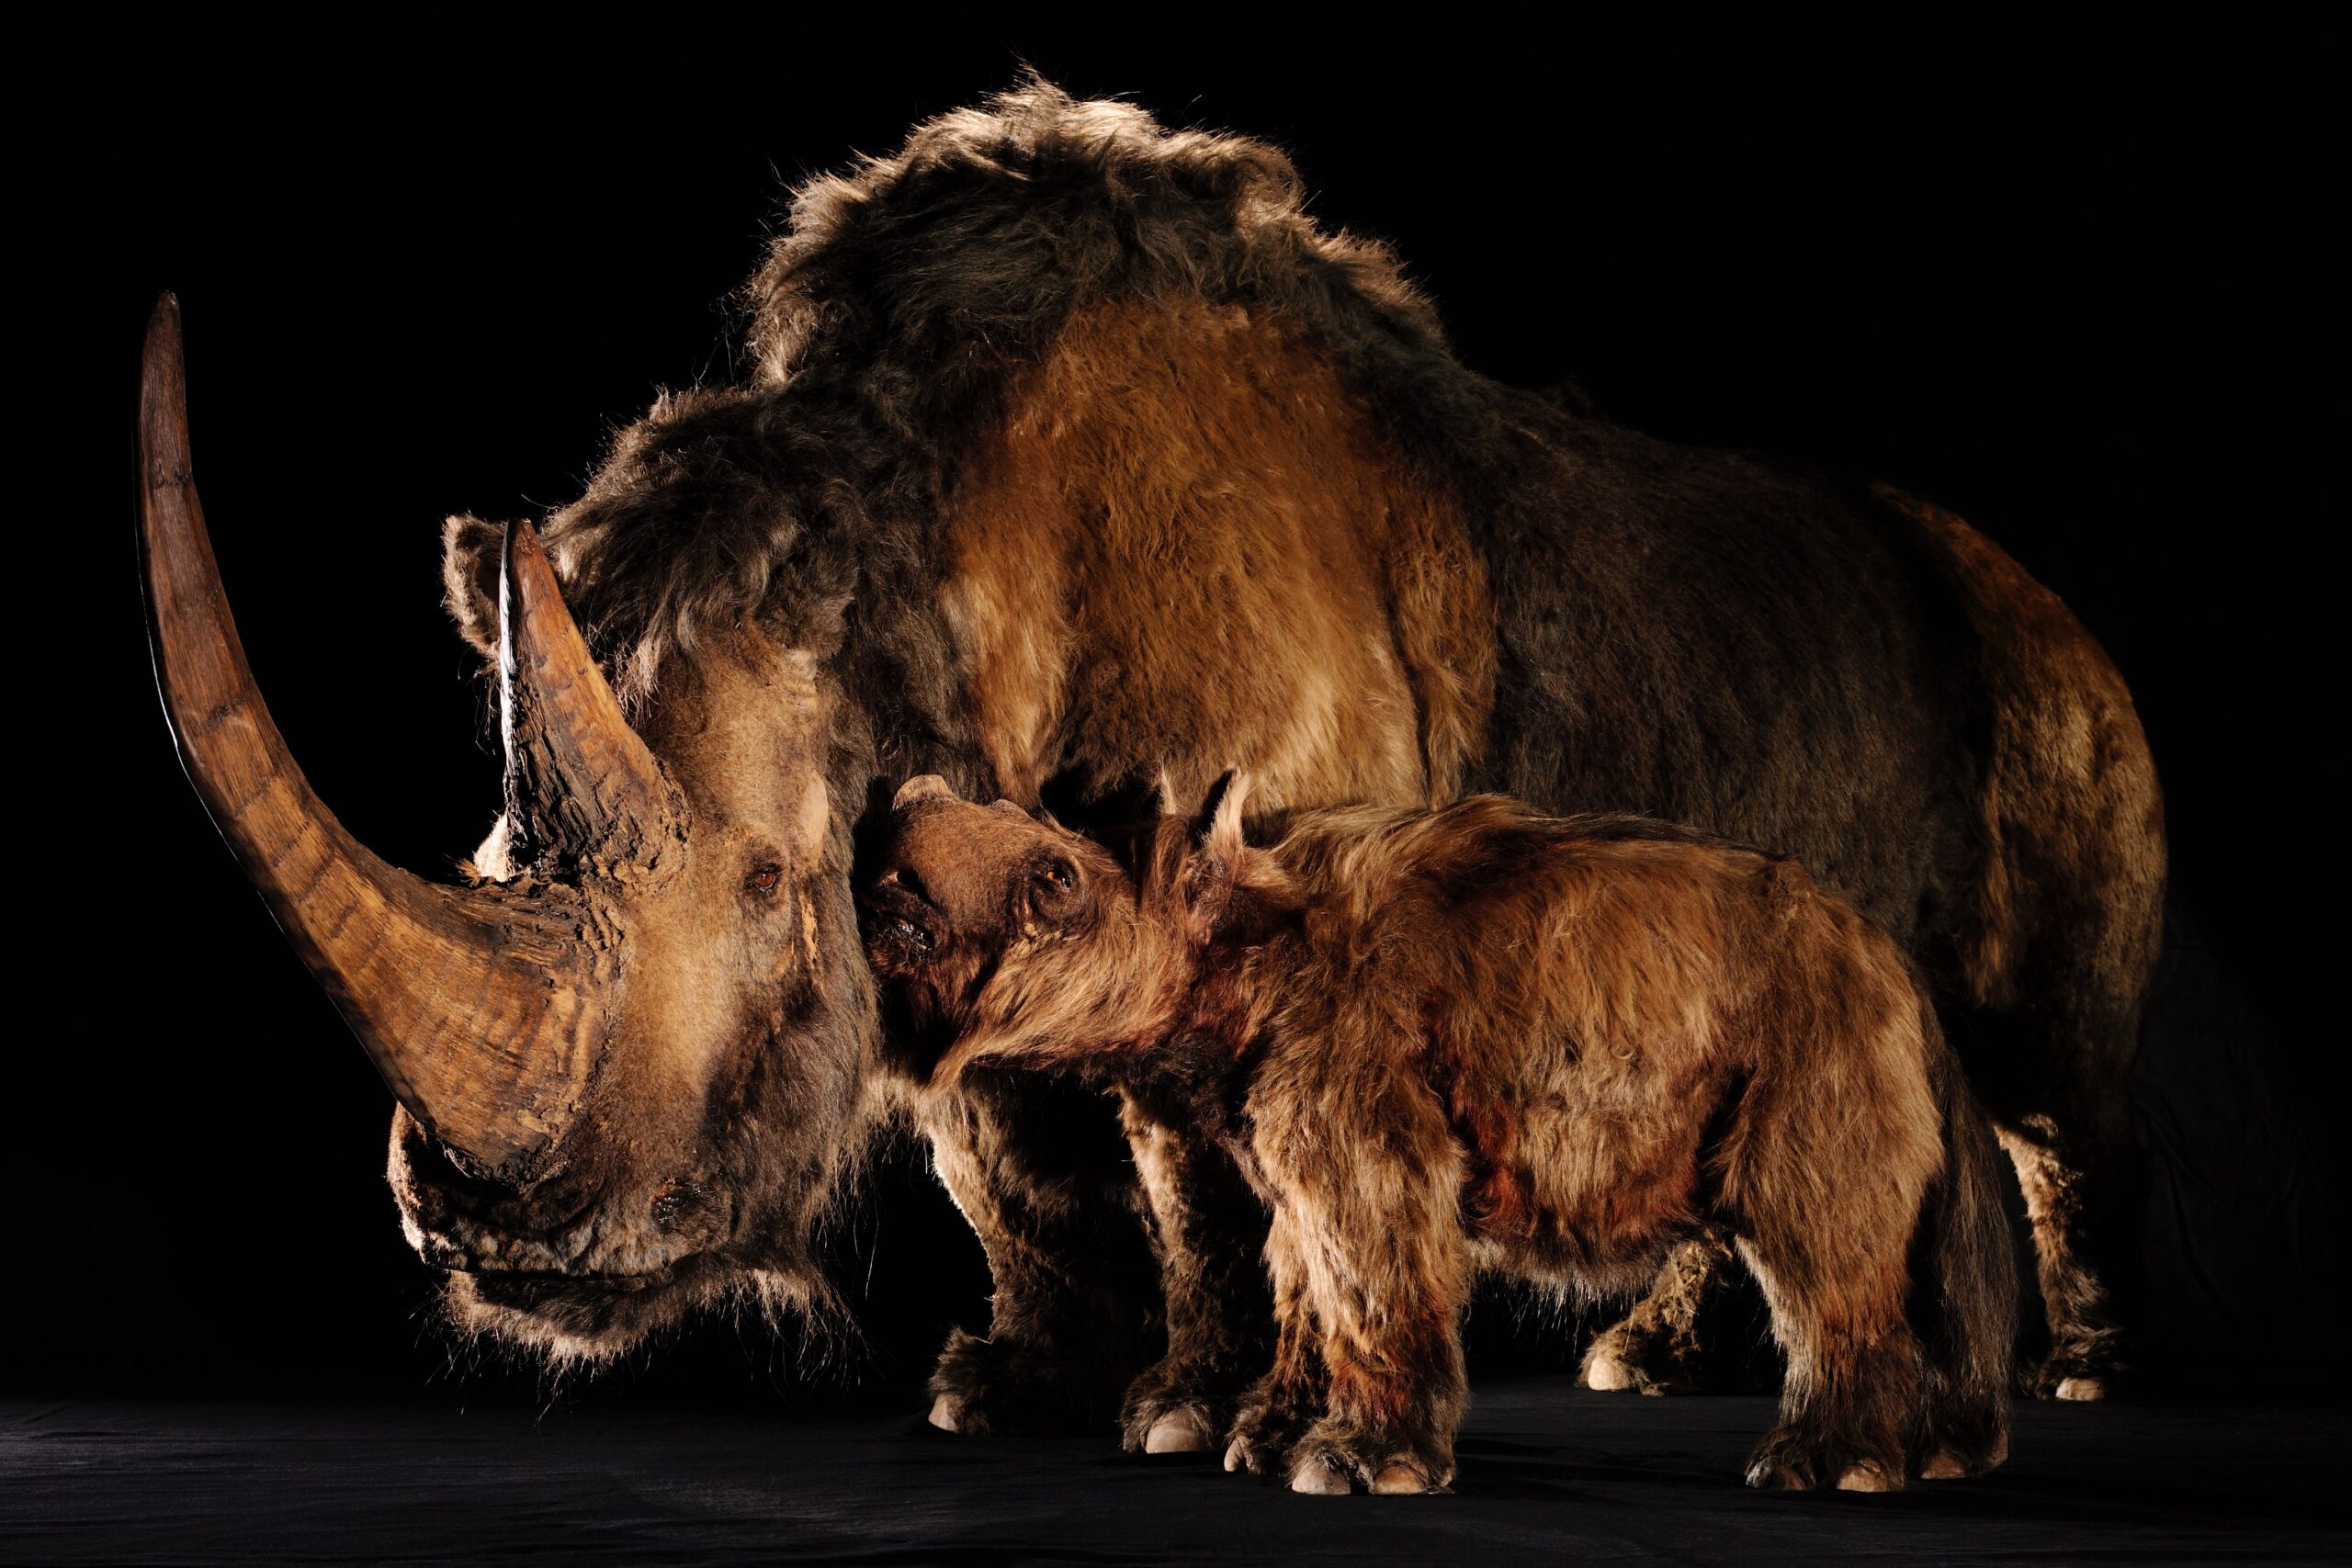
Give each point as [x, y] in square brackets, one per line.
[1216, 827]
[1213, 855]
[469, 566]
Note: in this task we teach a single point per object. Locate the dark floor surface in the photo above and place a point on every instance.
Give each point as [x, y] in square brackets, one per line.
[1548, 1474]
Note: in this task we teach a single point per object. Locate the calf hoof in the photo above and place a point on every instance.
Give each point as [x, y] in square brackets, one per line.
[1180, 1432]
[946, 1413]
[1867, 1476]
[2079, 1389]
[1266, 1433]
[1258, 1452]
[1319, 1479]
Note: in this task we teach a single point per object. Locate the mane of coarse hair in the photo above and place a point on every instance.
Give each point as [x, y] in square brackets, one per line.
[887, 325]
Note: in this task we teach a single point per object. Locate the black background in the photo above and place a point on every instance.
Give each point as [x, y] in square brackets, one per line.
[2065, 285]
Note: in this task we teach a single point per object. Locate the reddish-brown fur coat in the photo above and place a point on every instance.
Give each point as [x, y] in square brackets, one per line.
[1476, 1039]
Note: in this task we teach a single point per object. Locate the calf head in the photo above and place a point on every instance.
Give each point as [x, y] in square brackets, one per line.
[1001, 936]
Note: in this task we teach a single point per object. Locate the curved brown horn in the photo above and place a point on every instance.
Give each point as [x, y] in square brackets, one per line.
[481, 1009]
[923, 786]
[578, 777]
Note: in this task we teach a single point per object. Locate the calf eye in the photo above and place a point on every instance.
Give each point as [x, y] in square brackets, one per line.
[1060, 875]
[763, 880]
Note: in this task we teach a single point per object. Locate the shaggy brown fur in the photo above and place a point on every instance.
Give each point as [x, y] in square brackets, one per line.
[1096, 526]
[1062, 420]
[1474, 1039]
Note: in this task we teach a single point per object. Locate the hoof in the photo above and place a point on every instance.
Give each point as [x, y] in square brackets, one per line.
[1319, 1479]
[2082, 1389]
[1766, 1476]
[1944, 1465]
[1398, 1479]
[1235, 1457]
[1180, 1432]
[1867, 1477]
[945, 1412]
[1608, 1374]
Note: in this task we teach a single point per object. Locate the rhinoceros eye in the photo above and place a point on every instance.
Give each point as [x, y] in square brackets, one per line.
[763, 879]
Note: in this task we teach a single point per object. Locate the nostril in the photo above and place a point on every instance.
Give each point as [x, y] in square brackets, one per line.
[438, 1252]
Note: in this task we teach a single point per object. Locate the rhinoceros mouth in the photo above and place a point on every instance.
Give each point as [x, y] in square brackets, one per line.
[902, 929]
[525, 1287]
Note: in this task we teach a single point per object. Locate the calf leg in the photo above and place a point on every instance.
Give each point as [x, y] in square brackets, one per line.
[1849, 1401]
[1378, 1244]
[1655, 1348]
[1211, 1232]
[1291, 1395]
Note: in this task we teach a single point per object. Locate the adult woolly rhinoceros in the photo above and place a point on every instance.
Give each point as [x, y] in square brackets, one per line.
[1075, 454]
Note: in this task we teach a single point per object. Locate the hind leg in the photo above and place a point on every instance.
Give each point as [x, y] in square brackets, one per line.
[2072, 1212]
[1655, 1348]
[2054, 1084]
[2055, 943]
[1395, 1390]
[1848, 1405]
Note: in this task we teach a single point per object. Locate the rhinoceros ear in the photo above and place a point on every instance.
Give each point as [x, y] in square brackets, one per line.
[470, 568]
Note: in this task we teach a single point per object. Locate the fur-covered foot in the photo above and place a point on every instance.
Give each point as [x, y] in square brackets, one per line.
[1790, 1461]
[2082, 1368]
[1655, 1348]
[1970, 1438]
[1335, 1456]
[981, 1387]
[1171, 1409]
[1624, 1357]
[1184, 1431]
[1265, 1430]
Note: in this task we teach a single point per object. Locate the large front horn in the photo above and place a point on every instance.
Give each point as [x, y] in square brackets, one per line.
[481, 1010]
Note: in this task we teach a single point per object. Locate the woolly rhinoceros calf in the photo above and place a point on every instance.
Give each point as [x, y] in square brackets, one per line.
[1075, 454]
[1478, 1040]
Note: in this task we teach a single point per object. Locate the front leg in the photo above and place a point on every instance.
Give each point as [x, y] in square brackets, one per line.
[1291, 1396]
[1211, 1230]
[1037, 1167]
[1368, 1224]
